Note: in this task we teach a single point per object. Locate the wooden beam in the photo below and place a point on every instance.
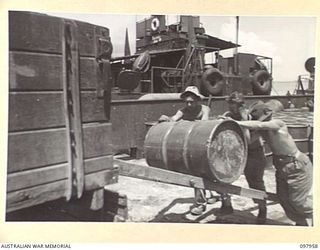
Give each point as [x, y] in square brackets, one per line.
[72, 109]
[165, 176]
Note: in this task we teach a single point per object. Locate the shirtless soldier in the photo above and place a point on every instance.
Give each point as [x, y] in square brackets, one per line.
[293, 169]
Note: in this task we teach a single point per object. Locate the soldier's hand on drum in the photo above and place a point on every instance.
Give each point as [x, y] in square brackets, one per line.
[164, 118]
[221, 117]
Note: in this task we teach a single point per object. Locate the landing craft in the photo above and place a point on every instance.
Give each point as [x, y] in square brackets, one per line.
[171, 57]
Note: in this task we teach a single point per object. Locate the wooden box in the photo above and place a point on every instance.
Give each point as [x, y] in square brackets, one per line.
[56, 133]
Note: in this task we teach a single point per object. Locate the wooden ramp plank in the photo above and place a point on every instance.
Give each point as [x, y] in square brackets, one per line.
[170, 177]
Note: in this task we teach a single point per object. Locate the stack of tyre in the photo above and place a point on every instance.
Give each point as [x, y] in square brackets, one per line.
[213, 82]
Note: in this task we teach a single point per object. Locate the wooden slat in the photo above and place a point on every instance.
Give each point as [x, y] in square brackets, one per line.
[36, 195]
[72, 113]
[36, 148]
[40, 176]
[29, 31]
[39, 148]
[38, 110]
[35, 110]
[30, 178]
[170, 177]
[97, 140]
[52, 191]
[39, 71]
[37, 32]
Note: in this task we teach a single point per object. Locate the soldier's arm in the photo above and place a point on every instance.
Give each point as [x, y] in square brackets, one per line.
[177, 116]
[244, 113]
[205, 113]
[258, 125]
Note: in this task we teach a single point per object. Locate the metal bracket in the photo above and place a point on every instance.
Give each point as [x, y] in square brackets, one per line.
[71, 94]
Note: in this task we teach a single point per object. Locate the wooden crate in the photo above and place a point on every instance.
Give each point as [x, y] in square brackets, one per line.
[40, 141]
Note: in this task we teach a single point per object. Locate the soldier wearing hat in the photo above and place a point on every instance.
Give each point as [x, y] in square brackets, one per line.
[256, 160]
[192, 111]
[294, 172]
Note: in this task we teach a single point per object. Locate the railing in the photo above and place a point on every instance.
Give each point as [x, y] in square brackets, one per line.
[176, 79]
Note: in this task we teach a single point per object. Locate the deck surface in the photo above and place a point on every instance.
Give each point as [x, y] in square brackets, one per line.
[150, 201]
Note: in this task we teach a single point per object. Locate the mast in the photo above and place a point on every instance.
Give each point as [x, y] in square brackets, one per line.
[127, 45]
[235, 52]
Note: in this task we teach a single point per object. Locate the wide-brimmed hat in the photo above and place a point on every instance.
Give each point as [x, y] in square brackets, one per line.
[260, 111]
[193, 90]
[235, 97]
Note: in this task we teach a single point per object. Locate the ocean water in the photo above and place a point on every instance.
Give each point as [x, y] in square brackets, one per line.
[281, 88]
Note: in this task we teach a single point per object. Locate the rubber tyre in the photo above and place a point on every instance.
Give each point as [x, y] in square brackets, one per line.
[212, 82]
[261, 83]
[142, 62]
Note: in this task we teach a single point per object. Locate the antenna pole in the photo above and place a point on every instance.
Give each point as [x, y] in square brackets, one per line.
[235, 53]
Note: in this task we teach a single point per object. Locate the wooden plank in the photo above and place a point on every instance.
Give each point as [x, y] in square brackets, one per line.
[33, 71]
[87, 37]
[170, 177]
[93, 108]
[39, 71]
[45, 110]
[35, 177]
[100, 179]
[42, 33]
[34, 32]
[32, 149]
[36, 148]
[53, 191]
[35, 110]
[40, 176]
[97, 140]
[72, 113]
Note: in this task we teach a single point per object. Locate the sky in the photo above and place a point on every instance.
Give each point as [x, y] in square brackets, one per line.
[289, 40]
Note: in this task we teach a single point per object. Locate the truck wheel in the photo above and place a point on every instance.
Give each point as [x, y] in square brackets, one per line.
[261, 83]
[212, 82]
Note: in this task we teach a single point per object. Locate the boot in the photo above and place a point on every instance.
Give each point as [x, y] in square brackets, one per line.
[226, 206]
[212, 199]
[199, 209]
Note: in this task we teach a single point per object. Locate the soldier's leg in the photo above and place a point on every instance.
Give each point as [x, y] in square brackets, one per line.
[254, 172]
[294, 187]
[226, 204]
[199, 201]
